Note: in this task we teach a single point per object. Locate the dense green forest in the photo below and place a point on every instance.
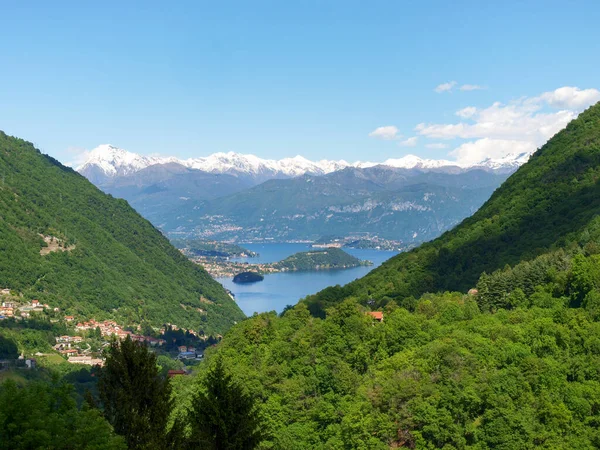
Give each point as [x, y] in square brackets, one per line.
[513, 364]
[45, 415]
[512, 367]
[552, 196]
[107, 259]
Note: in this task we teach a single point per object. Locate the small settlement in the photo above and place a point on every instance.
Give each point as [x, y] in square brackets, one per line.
[85, 342]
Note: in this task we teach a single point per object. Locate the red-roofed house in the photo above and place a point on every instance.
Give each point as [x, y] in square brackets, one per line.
[173, 373]
[377, 315]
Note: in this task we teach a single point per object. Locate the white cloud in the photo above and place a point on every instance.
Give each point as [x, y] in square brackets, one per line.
[450, 85]
[519, 126]
[387, 133]
[77, 156]
[436, 145]
[471, 87]
[520, 120]
[410, 142]
[502, 129]
[467, 112]
[445, 87]
[476, 151]
[571, 97]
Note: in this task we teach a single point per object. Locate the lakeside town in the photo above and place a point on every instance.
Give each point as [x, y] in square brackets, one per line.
[226, 259]
[225, 268]
[326, 258]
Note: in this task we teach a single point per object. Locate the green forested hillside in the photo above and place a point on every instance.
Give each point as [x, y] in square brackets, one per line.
[514, 366]
[511, 365]
[556, 193]
[446, 375]
[108, 260]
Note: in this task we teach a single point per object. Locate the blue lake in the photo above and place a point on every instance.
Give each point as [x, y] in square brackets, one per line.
[286, 288]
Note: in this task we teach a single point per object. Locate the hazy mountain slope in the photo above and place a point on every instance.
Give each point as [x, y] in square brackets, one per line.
[403, 204]
[117, 263]
[555, 193]
[168, 187]
[391, 178]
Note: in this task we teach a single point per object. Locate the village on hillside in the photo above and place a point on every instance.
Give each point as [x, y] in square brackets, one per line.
[85, 340]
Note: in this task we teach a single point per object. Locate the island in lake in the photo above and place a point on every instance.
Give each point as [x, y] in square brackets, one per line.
[248, 277]
[326, 259]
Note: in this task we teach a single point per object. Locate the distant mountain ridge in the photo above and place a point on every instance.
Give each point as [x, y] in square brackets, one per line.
[243, 197]
[410, 205]
[107, 161]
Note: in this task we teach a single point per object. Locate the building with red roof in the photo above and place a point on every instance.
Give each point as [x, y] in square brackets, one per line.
[377, 315]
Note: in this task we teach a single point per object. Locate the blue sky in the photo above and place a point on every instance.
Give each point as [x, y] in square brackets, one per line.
[276, 79]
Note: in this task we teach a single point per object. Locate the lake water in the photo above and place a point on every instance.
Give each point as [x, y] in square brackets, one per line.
[286, 288]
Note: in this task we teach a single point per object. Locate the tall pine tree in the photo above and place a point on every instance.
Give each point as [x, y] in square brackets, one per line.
[222, 416]
[136, 399]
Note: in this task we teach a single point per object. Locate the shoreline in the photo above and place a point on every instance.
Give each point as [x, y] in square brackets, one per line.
[228, 269]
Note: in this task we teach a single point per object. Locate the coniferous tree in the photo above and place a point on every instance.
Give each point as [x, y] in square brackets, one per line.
[8, 348]
[136, 399]
[222, 416]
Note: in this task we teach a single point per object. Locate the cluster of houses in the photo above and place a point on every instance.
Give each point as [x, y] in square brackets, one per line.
[188, 353]
[7, 310]
[23, 310]
[109, 328]
[70, 346]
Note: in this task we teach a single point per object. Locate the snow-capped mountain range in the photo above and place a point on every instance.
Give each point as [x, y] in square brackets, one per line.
[231, 196]
[107, 161]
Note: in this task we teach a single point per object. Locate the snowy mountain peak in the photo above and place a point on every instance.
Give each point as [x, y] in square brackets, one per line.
[414, 162]
[509, 162]
[111, 161]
